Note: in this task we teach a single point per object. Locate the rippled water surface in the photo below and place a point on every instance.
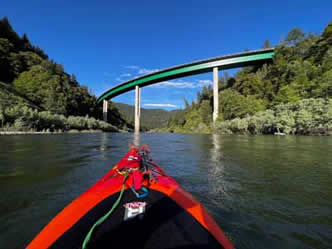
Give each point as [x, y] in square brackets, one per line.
[264, 191]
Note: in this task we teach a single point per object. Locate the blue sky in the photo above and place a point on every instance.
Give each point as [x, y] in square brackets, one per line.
[106, 42]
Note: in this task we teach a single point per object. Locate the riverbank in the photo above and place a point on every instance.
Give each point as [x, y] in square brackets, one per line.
[12, 133]
[313, 132]
[305, 117]
[24, 120]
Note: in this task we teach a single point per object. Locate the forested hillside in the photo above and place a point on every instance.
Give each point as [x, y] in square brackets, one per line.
[28, 78]
[301, 69]
[150, 118]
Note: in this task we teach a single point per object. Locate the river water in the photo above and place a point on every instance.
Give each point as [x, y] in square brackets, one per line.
[264, 191]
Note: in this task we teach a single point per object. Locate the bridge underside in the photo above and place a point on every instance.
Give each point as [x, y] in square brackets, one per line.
[203, 66]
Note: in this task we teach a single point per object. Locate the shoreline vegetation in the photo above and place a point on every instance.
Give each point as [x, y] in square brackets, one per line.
[291, 95]
[24, 119]
[46, 132]
[304, 117]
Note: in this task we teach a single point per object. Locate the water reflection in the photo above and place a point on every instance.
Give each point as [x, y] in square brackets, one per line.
[103, 144]
[217, 168]
[137, 139]
[216, 165]
[216, 152]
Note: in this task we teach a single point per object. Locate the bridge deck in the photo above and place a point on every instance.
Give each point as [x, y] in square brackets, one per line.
[197, 67]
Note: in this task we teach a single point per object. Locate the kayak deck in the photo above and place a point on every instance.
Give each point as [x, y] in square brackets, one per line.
[153, 212]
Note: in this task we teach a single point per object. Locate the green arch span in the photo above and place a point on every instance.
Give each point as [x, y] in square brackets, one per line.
[202, 66]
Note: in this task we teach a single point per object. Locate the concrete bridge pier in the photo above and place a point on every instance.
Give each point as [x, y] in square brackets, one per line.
[215, 94]
[137, 108]
[105, 106]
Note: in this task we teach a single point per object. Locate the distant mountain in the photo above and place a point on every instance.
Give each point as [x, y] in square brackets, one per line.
[150, 118]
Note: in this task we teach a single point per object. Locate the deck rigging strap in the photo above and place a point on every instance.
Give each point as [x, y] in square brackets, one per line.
[140, 195]
[103, 218]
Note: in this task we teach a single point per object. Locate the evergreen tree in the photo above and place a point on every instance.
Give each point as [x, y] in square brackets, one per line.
[186, 104]
[7, 32]
[25, 44]
[295, 36]
[267, 44]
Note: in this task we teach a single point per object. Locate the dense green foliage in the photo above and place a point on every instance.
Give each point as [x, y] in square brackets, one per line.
[150, 118]
[307, 116]
[9, 97]
[23, 118]
[29, 74]
[301, 69]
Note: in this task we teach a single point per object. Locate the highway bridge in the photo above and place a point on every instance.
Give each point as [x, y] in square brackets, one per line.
[214, 64]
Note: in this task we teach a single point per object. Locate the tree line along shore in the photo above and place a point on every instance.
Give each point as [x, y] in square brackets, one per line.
[291, 95]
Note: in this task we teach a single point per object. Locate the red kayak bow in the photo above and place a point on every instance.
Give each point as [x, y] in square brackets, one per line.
[135, 205]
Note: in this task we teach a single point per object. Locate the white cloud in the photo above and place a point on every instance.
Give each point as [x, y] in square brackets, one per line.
[182, 84]
[205, 82]
[141, 70]
[161, 105]
[147, 71]
[125, 75]
[133, 67]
